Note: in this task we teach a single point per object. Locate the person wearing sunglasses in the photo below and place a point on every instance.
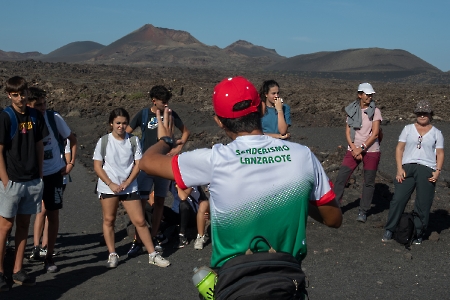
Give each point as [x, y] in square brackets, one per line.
[363, 135]
[419, 156]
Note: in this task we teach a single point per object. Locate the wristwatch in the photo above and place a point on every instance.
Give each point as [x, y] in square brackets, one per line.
[168, 140]
[363, 147]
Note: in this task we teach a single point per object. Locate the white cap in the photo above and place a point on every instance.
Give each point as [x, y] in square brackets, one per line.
[366, 88]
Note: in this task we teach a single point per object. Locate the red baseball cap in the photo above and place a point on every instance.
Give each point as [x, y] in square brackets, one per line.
[231, 91]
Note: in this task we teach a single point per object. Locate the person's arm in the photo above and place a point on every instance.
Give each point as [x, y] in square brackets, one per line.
[155, 160]
[3, 175]
[399, 150]
[40, 157]
[279, 135]
[98, 168]
[180, 143]
[375, 131]
[329, 214]
[356, 152]
[439, 164]
[134, 173]
[282, 125]
[70, 157]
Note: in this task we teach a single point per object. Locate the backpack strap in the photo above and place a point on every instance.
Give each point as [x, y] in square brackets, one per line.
[13, 118]
[51, 120]
[104, 142]
[144, 121]
[15, 123]
[133, 141]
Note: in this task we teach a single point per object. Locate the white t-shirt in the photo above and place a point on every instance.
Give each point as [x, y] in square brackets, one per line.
[119, 162]
[53, 159]
[362, 134]
[258, 186]
[426, 155]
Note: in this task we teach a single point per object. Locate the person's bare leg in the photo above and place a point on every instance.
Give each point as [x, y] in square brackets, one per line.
[203, 208]
[136, 214]
[5, 226]
[158, 210]
[22, 225]
[53, 226]
[45, 234]
[109, 209]
[39, 225]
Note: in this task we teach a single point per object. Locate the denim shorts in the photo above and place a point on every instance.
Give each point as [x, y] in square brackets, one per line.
[146, 182]
[21, 198]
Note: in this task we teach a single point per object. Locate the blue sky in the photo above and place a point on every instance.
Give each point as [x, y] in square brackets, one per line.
[290, 27]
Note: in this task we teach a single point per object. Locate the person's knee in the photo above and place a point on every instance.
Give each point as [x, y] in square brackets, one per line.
[22, 222]
[139, 222]
[109, 220]
[184, 206]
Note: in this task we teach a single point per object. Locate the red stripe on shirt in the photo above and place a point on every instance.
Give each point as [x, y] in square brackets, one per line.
[177, 173]
[325, 198]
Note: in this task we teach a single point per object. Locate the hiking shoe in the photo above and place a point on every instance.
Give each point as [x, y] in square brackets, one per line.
[43, 252]
[35, 253]
[23, 278]
[387, 236]
[158, 260]
[135, 250]
[113, 260]
[361, 217]
[162, 239]
[50, 266]
[182, 241]
[199, 241]
[417, 241]
[158, 247]
[4, 287]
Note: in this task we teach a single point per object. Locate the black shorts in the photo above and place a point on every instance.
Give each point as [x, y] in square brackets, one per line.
[123, 197]
[53, 191]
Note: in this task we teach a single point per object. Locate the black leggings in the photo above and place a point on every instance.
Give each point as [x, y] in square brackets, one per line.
[186, 217]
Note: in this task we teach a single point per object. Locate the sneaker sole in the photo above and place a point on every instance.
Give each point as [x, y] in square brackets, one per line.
[155, 264]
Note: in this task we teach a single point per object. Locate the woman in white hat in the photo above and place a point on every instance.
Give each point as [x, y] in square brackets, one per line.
[362, 132]
[419, 156]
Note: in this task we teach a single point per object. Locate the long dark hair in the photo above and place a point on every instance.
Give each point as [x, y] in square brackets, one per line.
[265, 88]
[118, 112]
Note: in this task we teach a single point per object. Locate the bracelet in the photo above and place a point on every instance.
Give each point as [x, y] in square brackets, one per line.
[279, 110]
[71, 164]
[109, 183]
[438, 170]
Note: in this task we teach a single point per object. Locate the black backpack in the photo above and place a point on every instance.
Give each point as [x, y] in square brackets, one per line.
[405, 230]
[261, 275]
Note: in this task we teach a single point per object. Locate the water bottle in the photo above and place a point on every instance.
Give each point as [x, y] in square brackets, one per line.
[204, 279]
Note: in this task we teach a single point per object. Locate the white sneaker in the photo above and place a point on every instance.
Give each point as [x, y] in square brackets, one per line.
[158, 260]
[199, 241]
[113, 260]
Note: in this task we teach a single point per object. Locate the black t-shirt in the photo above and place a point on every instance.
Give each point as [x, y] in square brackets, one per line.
[20, 153]
[151, 130]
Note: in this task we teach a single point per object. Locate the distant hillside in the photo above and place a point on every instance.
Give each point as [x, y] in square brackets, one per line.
[153, 46]
[12, 55]
[162, 47]
[250, 50]
[73, 52]
[355, 60]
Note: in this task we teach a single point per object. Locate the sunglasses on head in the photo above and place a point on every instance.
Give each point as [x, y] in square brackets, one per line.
[419, 145]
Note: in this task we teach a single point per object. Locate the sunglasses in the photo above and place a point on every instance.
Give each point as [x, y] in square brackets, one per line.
[121, 123]
[422, 114]
[15, 95]
[419, 145]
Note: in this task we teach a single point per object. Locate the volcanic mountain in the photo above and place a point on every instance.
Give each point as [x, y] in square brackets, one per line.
[356, 60]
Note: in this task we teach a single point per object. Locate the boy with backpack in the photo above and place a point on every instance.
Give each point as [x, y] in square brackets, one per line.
[55, 168]
[22, 130]
[147, 121]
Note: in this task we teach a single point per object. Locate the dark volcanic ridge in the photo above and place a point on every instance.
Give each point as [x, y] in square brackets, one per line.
[151, 46]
